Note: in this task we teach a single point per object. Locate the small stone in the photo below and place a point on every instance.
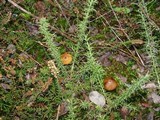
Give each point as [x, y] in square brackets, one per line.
[97, 98]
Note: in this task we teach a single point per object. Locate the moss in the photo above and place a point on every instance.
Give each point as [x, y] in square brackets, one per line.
[118, 68]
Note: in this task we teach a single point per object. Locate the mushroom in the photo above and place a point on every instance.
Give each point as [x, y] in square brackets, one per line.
[66, 58]
[110, 84]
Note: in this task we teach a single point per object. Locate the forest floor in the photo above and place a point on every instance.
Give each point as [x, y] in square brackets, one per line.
[121, 45]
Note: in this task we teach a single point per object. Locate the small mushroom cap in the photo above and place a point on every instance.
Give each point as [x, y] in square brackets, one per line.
[110, 84]
[66, 58]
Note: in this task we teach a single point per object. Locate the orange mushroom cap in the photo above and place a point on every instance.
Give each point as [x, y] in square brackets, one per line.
[66, 58]
[110, 84]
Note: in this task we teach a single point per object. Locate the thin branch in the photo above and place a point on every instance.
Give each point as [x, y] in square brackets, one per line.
[53, 28]
[58, 112]
[112, 29]
[62, 11]
[115, 15]
[22, 9]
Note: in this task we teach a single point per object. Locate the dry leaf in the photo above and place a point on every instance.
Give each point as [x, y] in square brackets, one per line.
[120, 32]
[12, 71]
[149, 86]
[12, 61]
[20, 107]
[16, 118]
[1, 76]
[86, 98]
[29, 93]
[93, 31]
[9, 69]
[157, 109]
[23, 57]
[145, 104]
[124, 112]
[40, 6]
[104, 59]
[5, 86]
[122, 78]
[30, 104]
[62, 109]
[112, 117]
[6, 18]
[121, 58]
[97, 98]
[145, 57]
[137, 42]
[47, 84]
[33, 29]
[33, 77]
[1, 59]
[150, 116]
[60, 80]
[39, 105]
[158, 8]
[72, 29]
[155, 98]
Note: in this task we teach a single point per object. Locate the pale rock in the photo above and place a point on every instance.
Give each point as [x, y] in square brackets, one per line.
[97, 98]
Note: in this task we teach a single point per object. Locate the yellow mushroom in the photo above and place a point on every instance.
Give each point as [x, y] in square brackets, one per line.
[66, 58]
